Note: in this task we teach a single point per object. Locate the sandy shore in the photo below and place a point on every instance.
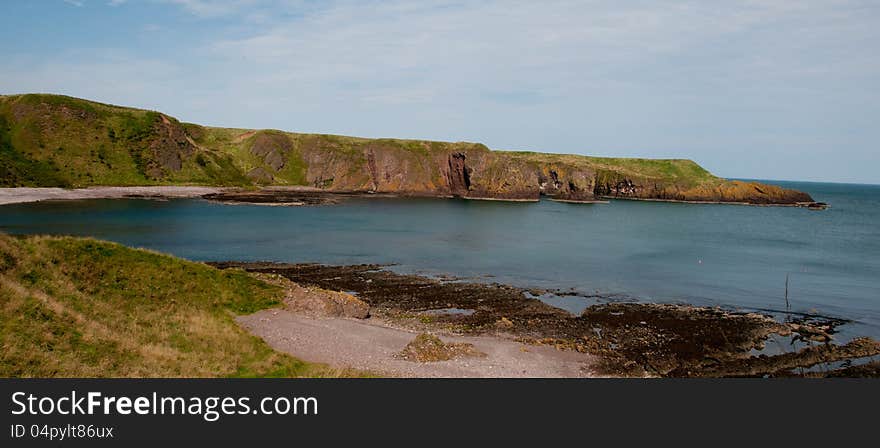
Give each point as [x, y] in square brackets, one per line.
[372, 344]
[25, 194]
[523, 336]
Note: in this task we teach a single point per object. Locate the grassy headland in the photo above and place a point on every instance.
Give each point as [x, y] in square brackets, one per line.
[77, 307]
[53, 140]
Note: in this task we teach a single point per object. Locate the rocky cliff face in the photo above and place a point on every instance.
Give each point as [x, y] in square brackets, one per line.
[53, 140]
[458, 175]
[616, 185]
[166, 148]
[472, 171]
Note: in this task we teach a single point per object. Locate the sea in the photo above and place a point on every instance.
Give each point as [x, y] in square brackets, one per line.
[731, 256]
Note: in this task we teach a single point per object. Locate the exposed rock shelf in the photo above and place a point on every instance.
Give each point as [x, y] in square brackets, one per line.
[630, 339]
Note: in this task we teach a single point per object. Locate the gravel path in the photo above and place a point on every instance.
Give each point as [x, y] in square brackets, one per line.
[371, 345]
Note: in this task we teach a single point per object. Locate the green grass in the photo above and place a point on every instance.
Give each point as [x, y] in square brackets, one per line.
[73, 103]
[19, 170]
[76, 307]
[54, 140]
[76, 142]
[678, 171]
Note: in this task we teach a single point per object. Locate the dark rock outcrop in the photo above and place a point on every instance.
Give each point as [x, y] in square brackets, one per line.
[168, 148]
[458, 176]
[272, 148]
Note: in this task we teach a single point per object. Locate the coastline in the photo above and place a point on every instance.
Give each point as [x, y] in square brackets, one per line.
[574, 201]
[260, 159]
[816, 205]
[609, 338]
[367, 317]
[293, 196]
[20, 195]
[476, 198]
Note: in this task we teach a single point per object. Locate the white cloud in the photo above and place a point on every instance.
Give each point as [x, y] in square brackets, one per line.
[650, 78]
[541, 48]
[212, 8]
[76, 3]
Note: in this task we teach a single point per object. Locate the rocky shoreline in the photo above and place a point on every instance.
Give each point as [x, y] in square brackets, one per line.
[624, 339]
[296, 196]
[808, 204]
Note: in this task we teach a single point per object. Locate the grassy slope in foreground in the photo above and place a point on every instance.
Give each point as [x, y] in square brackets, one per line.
[76, 307]
[53, 140]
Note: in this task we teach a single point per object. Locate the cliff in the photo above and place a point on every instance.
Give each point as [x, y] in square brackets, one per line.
[52, 140]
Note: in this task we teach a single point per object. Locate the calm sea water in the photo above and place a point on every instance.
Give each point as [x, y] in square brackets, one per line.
[733, 256]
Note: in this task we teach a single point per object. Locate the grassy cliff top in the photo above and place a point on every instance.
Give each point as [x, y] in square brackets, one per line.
[223, 148]
[670, 169]
[72, 102]
[77, 307]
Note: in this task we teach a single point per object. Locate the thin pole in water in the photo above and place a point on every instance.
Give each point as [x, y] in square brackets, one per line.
[787, 304]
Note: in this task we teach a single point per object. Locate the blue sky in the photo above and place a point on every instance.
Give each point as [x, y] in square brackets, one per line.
[752, 88]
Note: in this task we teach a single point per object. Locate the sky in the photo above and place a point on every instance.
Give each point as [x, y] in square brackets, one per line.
[748, 89]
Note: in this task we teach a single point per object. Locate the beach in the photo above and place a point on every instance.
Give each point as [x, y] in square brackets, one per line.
[511, 335]
[643, 289]
[27, 194]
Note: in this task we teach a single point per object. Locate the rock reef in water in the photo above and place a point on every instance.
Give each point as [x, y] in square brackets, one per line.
[52, 140]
